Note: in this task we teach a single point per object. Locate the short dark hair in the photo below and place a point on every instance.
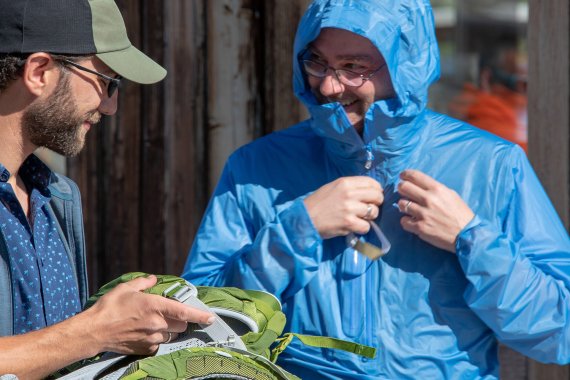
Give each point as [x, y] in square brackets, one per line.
[11, 66]
[10, 69]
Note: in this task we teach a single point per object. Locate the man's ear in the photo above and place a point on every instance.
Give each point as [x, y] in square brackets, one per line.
[40, 73]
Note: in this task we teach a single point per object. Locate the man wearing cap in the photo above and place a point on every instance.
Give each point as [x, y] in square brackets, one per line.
[478, 254]
[61, 62]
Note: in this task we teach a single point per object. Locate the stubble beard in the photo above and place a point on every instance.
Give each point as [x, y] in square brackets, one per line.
[55, 123]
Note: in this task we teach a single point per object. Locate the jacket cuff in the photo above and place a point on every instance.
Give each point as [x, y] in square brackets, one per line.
[466, 237]
[299, 227]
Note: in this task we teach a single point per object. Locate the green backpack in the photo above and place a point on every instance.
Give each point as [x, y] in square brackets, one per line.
[243, 343]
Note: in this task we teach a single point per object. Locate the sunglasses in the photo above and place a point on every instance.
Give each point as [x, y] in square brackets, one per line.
[112, 83]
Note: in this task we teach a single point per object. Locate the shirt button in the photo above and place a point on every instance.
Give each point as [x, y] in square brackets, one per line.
[5, 176]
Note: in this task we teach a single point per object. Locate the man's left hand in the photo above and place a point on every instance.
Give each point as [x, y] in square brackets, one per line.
[434, 212]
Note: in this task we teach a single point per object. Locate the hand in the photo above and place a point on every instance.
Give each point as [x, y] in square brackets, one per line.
[128, 321]
[434, 212]
[344, 206]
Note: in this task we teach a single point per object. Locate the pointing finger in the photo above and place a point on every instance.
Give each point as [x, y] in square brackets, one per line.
[420, 179]
[179, 311]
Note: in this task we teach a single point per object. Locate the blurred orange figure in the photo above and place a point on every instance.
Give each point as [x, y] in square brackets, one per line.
[499, 104]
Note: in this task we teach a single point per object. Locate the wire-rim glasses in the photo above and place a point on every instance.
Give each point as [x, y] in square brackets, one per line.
[346, 77]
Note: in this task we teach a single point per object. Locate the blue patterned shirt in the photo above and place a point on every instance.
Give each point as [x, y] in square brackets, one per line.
[44, 289]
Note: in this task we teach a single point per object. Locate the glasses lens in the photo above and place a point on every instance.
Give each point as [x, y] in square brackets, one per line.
[315, 69]
[349, 78]
[112, 87]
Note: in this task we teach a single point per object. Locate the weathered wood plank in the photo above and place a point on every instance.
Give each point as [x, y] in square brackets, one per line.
[233, 96]
[514, 366]
[549, 119]
[185, 125]
[549, 99]
[120, 151]
[152, 168]
[282, 109]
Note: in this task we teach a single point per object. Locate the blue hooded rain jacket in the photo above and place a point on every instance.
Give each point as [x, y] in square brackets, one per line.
[431, 314]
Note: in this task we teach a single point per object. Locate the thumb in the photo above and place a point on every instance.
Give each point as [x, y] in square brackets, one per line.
[142, 283]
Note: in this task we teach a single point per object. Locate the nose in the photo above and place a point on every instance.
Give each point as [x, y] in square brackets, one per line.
[330, 85]
[108, 105]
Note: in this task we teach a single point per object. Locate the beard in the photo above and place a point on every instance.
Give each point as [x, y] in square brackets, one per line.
[55, 123]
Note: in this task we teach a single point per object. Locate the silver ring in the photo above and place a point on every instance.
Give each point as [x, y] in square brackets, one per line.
[368, 212]
[169, 337]
[407, 206]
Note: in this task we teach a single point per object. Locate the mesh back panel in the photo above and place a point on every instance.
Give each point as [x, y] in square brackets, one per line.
[214, 366]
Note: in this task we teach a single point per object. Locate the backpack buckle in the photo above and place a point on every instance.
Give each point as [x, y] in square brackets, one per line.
[180, 292]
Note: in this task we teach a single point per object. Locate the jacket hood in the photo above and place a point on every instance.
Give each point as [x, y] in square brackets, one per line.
[402, 30]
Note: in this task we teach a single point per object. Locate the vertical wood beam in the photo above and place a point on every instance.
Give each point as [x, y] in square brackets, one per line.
[549, 99]
[186, 167]
[549, 119]
[151, 185]
[282, 108]
[233, 97]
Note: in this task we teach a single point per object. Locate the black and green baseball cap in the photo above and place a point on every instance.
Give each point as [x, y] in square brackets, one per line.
[75, 27]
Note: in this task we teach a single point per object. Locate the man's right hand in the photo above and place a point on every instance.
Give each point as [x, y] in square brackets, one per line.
[341, 207]
[127, 321]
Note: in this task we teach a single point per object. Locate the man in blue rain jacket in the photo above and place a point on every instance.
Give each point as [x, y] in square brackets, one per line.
[478, 254]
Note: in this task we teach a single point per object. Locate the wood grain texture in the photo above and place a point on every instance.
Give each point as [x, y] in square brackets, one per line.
[233, 97]
[549, 121]
[549, 99]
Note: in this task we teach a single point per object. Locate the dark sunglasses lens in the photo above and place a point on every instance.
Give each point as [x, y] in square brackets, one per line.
[113, 86]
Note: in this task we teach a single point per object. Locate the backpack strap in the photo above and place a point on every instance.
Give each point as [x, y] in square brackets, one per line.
[252, 302]
[65, 206]
[322, 342]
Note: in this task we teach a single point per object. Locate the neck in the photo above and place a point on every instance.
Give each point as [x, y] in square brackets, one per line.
[14, 147]
[359, 127]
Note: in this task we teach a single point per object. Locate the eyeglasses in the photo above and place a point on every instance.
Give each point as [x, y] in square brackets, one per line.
[112, 83]
[346, 77]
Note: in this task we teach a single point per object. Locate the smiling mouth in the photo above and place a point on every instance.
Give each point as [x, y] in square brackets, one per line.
[344, 103]
[348, 103]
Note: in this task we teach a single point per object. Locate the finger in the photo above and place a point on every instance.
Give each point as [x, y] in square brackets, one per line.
[410, 224]
[370, 211]
[168, 336]
[410, 191]
[373, 197]
[368, 194]
[178, 311]
[408, 207]
[361, 188]
[364, 182]
[419, 178]
[175, 325]
[360, 226]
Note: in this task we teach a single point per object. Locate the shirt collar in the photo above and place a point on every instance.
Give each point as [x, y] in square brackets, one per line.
[36, 174]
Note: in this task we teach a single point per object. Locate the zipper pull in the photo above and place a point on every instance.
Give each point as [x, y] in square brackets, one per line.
[369, 158]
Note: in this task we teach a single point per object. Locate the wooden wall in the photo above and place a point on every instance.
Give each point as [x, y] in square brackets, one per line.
[549, 120]
[147, 173]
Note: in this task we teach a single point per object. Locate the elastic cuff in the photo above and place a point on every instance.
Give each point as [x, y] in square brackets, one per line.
[299, 227]
[464, 238]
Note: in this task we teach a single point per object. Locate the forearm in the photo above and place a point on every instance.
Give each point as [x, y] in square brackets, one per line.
[49, 349]
[279, 258]
[524, 301]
